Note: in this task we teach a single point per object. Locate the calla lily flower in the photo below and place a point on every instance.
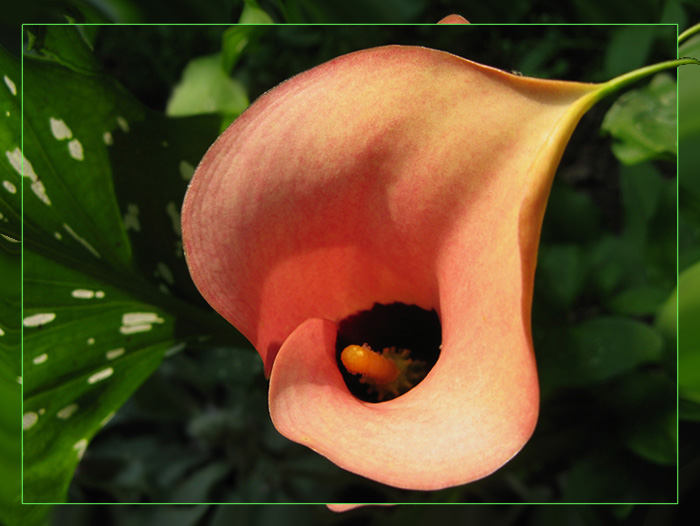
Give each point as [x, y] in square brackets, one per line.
[394, 175]
[453, 19]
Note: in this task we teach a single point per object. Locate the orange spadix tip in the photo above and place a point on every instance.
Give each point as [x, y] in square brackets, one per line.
[361, 359]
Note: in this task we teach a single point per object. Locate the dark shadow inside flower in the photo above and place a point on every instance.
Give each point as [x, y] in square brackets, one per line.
[410, 336]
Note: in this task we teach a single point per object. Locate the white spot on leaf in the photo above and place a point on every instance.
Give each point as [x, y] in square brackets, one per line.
[2, 333]
[37, 320]
[123, 124]
[83, 294]
[91, 341]
[76, 150]
[17, 160]
[131, 218]
[10, 85]
[40, 359]
[9, 187]
[40, 191]
[67, 411]
[174, 213]
[23, 167]
[186, 170]
[165, 272]
[174, 349]
[107, 138]
[99, 294]
[132, 318]
[101, 375]
[115, 353]
[59, 129]
[80, 446]
[81, 241]
[106, 419]
[29, 419]
[57, 235]
[139, 322]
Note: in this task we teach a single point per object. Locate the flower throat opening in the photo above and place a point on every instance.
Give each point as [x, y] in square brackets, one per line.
[384, 352]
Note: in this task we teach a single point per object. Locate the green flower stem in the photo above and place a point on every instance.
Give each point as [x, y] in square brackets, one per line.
[685, 35]
[622, 81]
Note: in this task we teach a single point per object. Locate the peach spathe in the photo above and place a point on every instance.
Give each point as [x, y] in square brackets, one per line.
[393, 174]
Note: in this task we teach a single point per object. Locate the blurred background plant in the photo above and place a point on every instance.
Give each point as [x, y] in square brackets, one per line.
[681, 12]
[198, 429]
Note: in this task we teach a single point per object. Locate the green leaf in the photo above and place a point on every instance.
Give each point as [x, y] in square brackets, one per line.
[628, 49]
[252, 14]
[597, 350]
[10, 389]
[685, 301]
[205, 88]
[688, 90]
[10, 163]
[614, 264]
[642, 300]
[177, 515]
[11, 509]
[561, 273]
[68, 45]
[689, 137]
[366, 11]
[649, 225]
[688, 410]
[235, 40]
[572, 217]
[645, 413]
[10, 352]
[643, 122]
[10, 442]
[199, 484]
[105, 283]
[644, 252]
[610, 478]
[642, 188]
[657, 442]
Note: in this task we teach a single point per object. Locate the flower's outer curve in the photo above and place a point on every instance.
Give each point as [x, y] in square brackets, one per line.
[394, 174]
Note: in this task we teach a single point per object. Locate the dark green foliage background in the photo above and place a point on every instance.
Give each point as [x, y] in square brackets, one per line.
[360, 11]
[198, 429]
